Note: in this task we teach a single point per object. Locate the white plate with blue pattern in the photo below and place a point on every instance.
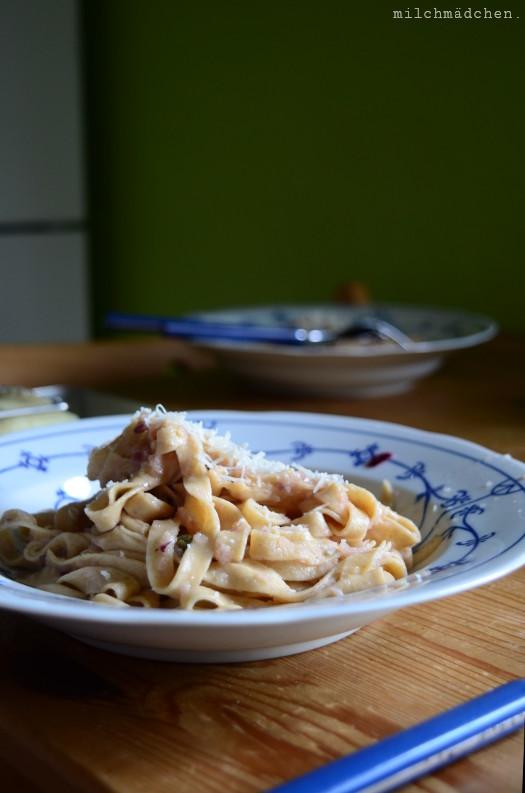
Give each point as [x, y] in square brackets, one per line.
[348, 368]
[468, 501]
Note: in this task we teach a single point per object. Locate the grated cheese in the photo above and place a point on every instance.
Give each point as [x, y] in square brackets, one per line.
[232, 455]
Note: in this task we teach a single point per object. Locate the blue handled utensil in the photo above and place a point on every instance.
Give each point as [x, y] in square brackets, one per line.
[421, 749]
[195, 328]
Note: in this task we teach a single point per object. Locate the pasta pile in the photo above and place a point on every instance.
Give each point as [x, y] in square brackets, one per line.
[188, 519]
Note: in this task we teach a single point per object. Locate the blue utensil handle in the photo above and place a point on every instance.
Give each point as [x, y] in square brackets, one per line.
[420, 749]
[219, 330]
[194, 328]
[147, 323]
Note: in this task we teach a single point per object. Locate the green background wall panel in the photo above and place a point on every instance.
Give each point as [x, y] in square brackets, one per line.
[249, 152]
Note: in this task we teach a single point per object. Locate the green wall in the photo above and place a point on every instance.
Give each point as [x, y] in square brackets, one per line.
[264, 150]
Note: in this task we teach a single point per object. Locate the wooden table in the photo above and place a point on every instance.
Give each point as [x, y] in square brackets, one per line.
[78, 719]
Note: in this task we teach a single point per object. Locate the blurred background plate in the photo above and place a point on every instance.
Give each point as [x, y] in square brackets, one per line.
[354, 368]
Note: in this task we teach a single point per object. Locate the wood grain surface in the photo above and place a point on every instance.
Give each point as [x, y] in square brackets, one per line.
[73, 718]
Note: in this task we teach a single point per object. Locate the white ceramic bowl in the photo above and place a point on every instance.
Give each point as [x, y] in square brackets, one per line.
[468, 501]
[351, 368]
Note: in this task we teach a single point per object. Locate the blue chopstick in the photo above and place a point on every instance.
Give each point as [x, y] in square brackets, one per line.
[421, 749]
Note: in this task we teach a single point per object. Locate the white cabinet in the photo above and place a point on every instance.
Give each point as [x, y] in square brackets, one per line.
[42, 210]
[44, 288]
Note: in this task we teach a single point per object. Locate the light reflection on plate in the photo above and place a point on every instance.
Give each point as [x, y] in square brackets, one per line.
[77, 488]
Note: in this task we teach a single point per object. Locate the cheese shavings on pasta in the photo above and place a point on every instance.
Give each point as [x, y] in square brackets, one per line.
[188, 519]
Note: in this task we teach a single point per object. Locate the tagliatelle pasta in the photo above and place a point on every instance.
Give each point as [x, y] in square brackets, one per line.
[188, 519]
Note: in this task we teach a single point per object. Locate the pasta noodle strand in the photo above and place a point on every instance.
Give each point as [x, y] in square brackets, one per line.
[185, 518]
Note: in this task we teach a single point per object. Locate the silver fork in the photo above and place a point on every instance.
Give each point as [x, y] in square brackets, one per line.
[371, 326]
